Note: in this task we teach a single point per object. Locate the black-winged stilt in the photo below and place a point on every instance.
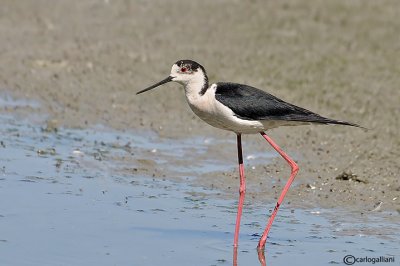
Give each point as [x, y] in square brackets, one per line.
[243, 110]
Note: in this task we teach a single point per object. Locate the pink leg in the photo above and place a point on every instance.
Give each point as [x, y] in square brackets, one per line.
[242, 190]
[295, 169]
[260, 253]
[261, 257]
[235, 256]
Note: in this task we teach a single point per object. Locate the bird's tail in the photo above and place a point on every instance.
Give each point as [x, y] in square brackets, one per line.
[324, 120]
[317, 119]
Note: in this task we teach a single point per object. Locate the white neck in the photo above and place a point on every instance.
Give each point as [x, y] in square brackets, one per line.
[194, 86]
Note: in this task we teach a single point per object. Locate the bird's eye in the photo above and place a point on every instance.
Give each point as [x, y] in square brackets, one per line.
[183, 69]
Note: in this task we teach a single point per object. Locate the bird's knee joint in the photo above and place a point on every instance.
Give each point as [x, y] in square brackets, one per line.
[295, 168]
[242, 190]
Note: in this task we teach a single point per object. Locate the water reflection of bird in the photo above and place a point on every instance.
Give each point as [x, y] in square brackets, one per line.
[243, 110]
[260, 253]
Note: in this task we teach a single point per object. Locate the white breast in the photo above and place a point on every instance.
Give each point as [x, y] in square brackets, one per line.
[218, 115]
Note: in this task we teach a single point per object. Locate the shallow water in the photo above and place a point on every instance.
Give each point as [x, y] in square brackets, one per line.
[65, 201]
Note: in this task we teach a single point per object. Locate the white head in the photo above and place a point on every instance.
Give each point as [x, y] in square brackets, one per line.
[185, 72]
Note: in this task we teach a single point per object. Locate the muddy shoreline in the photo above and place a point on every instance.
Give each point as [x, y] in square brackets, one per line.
[83, 63]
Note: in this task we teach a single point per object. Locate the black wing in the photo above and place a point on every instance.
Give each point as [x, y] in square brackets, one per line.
[250, 103]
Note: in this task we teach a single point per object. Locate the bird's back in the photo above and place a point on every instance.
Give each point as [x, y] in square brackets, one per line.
[250, 103]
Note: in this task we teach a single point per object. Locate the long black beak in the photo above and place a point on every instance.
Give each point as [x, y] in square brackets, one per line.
[156, 85]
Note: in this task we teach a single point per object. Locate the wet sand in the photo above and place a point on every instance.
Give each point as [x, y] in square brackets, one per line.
[67, 199]
[83, 61]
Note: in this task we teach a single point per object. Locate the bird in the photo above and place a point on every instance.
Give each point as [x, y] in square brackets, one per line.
[242, 109]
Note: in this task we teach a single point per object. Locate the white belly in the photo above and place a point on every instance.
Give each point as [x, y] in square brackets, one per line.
[216, 114]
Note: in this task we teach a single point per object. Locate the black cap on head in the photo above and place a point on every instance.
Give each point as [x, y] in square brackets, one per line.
[186, 66]
[193, 66]
[190, 64]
